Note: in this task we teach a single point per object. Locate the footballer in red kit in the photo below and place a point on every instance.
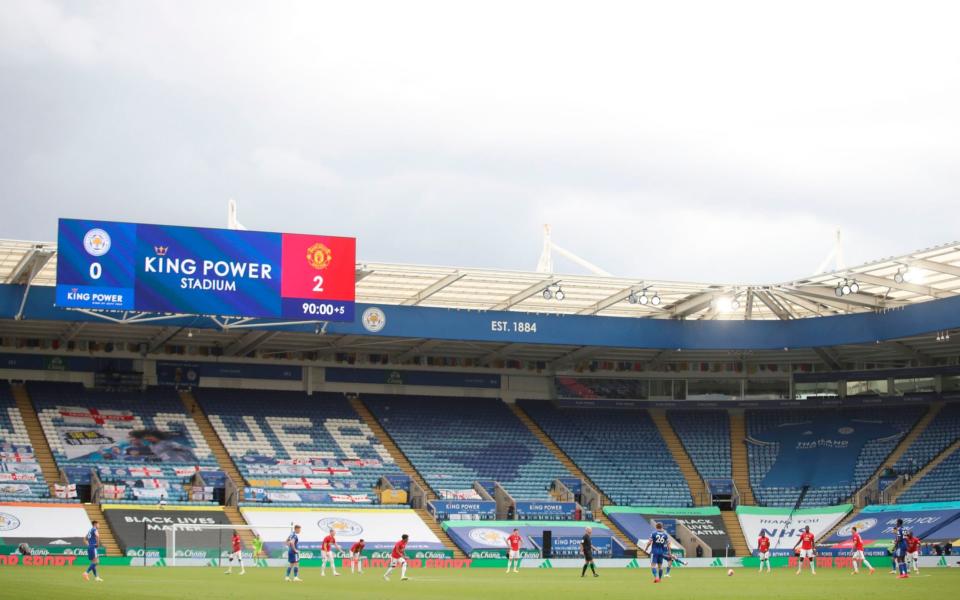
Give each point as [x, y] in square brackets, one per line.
[858, 556]
[913, 552]
[807, 551]
[398, 557]
[356, 556]
[326, 552]
[513, 551]
[236, 553]
[763, 548]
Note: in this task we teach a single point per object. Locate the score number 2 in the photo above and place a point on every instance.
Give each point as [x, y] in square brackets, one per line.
[318, 280]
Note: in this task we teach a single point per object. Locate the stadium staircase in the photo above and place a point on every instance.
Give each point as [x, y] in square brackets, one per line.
[223, 460]
[697, 489]
[401, 461]
[629, 543]
[107, 541]
[41, 449]
[732, 524]
[926, 469]
[905, 443]
[738, 458]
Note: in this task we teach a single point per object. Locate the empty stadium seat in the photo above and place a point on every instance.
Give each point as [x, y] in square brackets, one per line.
[621, 451]
[166, 453]
[941, 484]
[262, 428]
[705, 435]
[939, 434]
[453, 442]
[20, 474]
[761, 423]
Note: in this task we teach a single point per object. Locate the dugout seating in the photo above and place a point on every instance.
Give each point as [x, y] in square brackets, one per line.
[291, 447]
[705, 435]
[941, 484]
[940, 433]
[20, 475]
[454, 442]
[140, 467]
[762, 457]
[621, 451]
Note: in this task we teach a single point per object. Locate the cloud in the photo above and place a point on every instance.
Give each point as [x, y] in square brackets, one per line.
[282, 165]
[34, 30]
[671, 140]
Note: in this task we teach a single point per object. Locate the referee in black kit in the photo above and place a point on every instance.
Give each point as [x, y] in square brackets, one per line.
[586, 548]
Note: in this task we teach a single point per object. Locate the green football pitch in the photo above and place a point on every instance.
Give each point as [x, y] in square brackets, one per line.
[126, 583]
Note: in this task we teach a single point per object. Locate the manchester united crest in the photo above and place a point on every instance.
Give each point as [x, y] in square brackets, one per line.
[319, 256]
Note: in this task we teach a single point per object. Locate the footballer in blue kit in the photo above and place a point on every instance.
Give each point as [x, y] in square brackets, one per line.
[93, 542]
[293, 554]
[900, 549]
[660, 543]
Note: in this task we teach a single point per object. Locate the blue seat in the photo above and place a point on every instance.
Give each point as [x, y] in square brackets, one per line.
[621, 451]
[454, 442]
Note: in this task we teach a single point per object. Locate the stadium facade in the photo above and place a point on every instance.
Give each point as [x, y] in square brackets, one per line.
[458, 404]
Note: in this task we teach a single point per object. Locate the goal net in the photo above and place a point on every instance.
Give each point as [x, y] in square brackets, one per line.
[207, 541]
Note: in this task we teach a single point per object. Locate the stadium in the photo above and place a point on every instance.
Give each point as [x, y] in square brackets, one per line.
[527, 300]
[456, 405]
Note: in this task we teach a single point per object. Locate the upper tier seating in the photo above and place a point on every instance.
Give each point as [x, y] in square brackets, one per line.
[706, 438]
[775, 426]
[590, 387]
[939, 434]
[454, 442]
[941, 484]
[292, 441]
[20, 474]
[621, 451]
[143, 442]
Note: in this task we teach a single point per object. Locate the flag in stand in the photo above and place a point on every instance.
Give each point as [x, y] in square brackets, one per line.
[145, 471]
[77, 415]
[304, 483]
[351, 498]
[65, 491]
[339, 471]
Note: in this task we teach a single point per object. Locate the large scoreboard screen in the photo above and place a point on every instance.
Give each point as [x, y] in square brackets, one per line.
[106, 265]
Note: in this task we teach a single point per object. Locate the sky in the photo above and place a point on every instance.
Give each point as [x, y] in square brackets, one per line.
[701, 141]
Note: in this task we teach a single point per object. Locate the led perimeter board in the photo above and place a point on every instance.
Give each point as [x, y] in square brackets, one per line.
[106, 265]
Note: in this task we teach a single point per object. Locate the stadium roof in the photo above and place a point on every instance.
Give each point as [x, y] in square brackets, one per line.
[883, 284]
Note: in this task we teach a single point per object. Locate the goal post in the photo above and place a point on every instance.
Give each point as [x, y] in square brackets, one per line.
[180, 536]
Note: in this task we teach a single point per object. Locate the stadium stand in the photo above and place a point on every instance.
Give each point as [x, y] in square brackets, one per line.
[455, 442]
[142, 445]
[774, 426]
[612, 447]
[940, 433]
[20, 475]
[940, 484]
[291, 447]
[706, 438]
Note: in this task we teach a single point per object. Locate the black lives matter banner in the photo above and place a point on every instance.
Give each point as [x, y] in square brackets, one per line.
[704, 522]
[142, 531]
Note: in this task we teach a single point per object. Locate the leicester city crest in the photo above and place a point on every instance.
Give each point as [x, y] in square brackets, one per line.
[96, 242]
